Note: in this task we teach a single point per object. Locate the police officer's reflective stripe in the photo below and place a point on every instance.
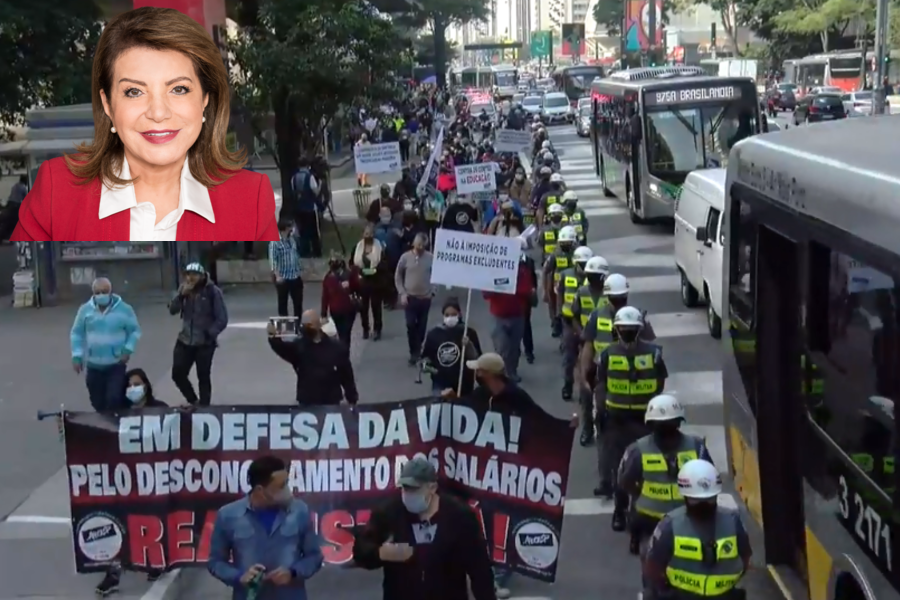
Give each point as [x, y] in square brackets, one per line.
[570, 289]
[549, 241]
[562, 263]
[603, 337]
[687, 569]
[659, 492]
[621, 391]
[575, 219]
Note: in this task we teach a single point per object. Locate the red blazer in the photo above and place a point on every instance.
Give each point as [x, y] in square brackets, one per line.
[58, 210]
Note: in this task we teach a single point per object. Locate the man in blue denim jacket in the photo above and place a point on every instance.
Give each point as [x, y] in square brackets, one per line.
[265, 540]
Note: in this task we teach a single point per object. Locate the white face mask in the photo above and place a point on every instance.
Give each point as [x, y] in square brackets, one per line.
[135, 393]
[451, 320]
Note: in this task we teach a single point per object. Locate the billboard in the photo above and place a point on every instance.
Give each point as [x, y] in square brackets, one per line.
[573, 39]
[637, 16]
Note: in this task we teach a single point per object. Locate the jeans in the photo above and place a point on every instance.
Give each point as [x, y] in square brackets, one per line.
[507, 338]
[344, 326]
[293, 289]
[416, 312]
[528, 335]
[184, 358]
[372, 300]
[106, 386]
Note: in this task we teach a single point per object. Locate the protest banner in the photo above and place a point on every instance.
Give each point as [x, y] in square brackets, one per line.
[428, 183]
[511, 140]
[475, 261]
[372, 159]
[478, 177]
[145, 485]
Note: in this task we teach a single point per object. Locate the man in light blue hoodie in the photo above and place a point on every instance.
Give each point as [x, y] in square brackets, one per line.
[103, 338]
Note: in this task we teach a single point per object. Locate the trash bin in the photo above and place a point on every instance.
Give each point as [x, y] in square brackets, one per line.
[362, 197]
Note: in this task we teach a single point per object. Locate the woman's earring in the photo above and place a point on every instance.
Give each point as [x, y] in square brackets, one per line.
[204, 119]
[113, 129]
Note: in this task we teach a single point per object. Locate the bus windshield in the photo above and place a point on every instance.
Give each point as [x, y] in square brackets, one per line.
[577, 82]
[845, 67]
[505, 78]
[680, 140]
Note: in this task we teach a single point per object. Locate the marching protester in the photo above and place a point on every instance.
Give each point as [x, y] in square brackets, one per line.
[322, 364]
[508, 312]
[265, 543]
[384, 200]
[445, 350]
[370, 260]
[413, 282]
[284, 261]
[460, 216]
[340, 297]
[429, 544]
[200, 305]
[699, 549]
[528, 334]
[388, 232]
[103, 338]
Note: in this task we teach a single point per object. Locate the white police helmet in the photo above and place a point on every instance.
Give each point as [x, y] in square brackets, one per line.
[628, 316]
[597, 265]
[664, 407]
[615, 285]
[583, 254]
[699, 479]
[567, 234]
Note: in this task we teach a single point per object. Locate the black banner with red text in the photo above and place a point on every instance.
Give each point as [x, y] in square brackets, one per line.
[145, 485]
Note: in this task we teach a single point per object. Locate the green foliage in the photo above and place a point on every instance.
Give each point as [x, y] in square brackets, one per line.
[759, 16]
[448, 11]
[822, 17]
[46, 49]
[894, 25]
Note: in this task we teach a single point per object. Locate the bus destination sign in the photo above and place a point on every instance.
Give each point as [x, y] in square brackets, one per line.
[692, 95]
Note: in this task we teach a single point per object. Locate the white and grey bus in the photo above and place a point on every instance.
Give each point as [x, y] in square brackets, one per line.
[654, 125]
[811, 379]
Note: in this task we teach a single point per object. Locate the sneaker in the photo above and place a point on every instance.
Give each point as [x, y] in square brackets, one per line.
[502, 592]
[109, 585]
[154, 575]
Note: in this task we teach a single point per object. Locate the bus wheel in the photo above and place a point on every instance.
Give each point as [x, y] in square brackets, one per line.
[629, 194]
[847, 588]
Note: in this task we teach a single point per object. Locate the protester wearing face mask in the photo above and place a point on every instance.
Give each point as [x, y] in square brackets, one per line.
[520, 191]
[508, 220]
[647, 473]
[138, 395]
[384, 200]
[282, 551]
[540, 189]
[460, 216]
[370, 261]
[341, 297]
[429, 544]
[445, 350]
[321, 363]
[103, 338]
[671, 570]
[629, 373]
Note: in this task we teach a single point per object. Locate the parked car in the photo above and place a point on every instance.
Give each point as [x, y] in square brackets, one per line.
[819, 107]
[556, 109]
[781, 97]
[583, 122]
[858, 104]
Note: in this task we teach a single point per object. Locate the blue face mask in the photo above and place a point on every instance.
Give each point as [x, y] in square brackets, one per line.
[135, 393]
[102, 299]
[415, 501]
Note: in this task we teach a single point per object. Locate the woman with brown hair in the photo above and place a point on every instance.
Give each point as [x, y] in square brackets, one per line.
[158, 168]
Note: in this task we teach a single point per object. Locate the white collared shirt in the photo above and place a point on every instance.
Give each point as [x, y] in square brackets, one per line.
[144, 228]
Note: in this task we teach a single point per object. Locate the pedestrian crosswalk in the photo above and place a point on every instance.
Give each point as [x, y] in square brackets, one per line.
[646, 258]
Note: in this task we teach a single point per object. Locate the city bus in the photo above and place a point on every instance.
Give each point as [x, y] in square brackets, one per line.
[575, 80]
[812, 368]
[844, 70]
[653, 125]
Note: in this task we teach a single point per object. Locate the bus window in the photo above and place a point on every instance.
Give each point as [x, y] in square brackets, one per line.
[742, 293]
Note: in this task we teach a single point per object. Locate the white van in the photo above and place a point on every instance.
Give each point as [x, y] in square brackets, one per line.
[699, 243]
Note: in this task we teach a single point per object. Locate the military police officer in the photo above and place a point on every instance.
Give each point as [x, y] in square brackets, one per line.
[575, 216]
[648, 473]
[699, 550]
[551, 197]
[629, 373]
[570, 280]
[554, 265]
[547, 237]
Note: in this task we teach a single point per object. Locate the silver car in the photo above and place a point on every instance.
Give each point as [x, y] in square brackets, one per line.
[583, 121]
[556, 109]
[858, 104]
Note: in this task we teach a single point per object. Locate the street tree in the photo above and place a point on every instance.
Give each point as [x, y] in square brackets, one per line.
[46, 51]
[827, 19]
[303, 61]
[435, 16]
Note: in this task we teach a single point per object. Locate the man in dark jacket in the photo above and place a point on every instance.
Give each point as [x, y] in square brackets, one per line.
[322, 364]
[204, 317]
[428, 544]
[306, 206]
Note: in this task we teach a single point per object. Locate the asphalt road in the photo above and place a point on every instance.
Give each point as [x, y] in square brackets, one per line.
[35, 548]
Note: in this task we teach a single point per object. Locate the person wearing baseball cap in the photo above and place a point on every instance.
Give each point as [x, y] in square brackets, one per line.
[430, 545]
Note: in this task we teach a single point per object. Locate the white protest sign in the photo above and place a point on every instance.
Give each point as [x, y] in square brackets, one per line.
[471, 260]
[372, 159]
[510, 140]
[475, 178]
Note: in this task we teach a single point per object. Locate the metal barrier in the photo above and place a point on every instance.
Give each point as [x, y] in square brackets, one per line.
[362, 197]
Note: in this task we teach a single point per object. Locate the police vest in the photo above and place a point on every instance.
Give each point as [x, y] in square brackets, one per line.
[659, 492]
[631, 378]
[562, 260]
[587, 302]
[576, 221]
[604, 336]
[550, 200]
[549, 244]
[704, 567]
[570, 289]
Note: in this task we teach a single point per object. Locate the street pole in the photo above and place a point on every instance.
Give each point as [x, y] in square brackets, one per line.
[881, 52]
[623, 36]
[651, 31]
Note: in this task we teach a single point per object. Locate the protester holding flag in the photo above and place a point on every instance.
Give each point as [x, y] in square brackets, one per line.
[429, 544]
[282, 551]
